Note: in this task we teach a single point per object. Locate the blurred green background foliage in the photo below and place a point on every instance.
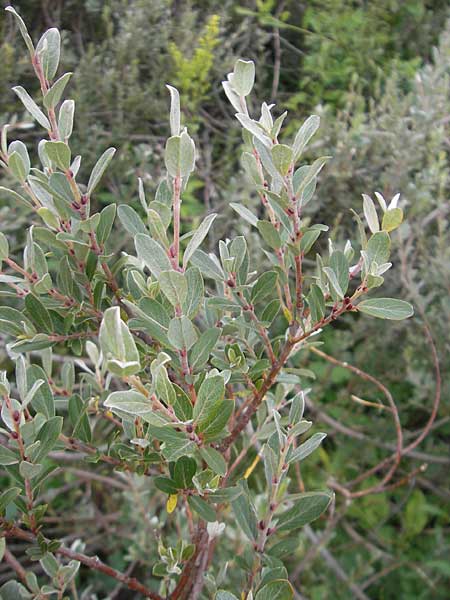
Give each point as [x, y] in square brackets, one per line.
[378, 75]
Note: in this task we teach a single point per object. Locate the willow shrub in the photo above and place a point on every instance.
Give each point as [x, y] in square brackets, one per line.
[178, 346]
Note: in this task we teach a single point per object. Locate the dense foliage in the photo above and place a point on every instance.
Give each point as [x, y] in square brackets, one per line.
[83, 278]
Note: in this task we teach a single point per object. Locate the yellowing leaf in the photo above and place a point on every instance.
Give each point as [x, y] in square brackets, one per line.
[392, 219]
[171, 503]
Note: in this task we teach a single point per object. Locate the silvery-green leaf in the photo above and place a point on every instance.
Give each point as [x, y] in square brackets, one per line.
[21, 149]
[131, 220]
[12, 322]
[75, 165]
[211, 391]
[29, 470]
[129, 401]
[378, 248]
[157, 228]
[370, 213]
[150, 317]
[198, 237]
[213, 425]
[269, 234]
[59, 154]
[105, 223]
[306, 448]
[195, 292]
[49, 218]
[266, 119]
[48, 50]
[304, 134]
[277, 125]
[152, 254]
[164, 193]
[308, 192]
[10, 279]
[99, 168]
[4, 139]
[297, 408]
[201, 350]
[335, 288]
[17, 166]
[6, 415]
[394, 202]
[254, 128]
[164, 212]
[386, 308]
[214, 460]
[164, 387]
[174, 110]
[245, 513]
[238, 251]
[202, 508]
[381, 201]
[32, 107]
[243, 77]
[141, 193]
[340, 266]
[181, 333]
[311, 174]
[42, 398]
[277, 589]
[32, 392]
[23, 29]
[179, 155]
[264, 286]
[250, 166]
[7, 456]
[38, 342]
[307, 507]
[232, 96]
[173, 284]
[53, 96]
[282, 157]
[316, 302]
[117, 344]
[208, 265]
[243, 212]
[65, 120]
[374, 281]
[267, 162]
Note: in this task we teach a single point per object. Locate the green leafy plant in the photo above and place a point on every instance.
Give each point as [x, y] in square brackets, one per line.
[358, 44]
[192, 75]
[185, 354]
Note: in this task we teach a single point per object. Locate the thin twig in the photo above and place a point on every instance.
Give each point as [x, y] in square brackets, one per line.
[15, 565]
[399, 445]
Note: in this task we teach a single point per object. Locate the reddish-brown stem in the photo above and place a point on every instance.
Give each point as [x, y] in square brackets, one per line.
[15, 565]
[184, 585]
[262, 331]
[407, 449]
[393, 407]
[74, 444]
[258, 398]
[11, 263]
[73, 336]
[54, 134]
